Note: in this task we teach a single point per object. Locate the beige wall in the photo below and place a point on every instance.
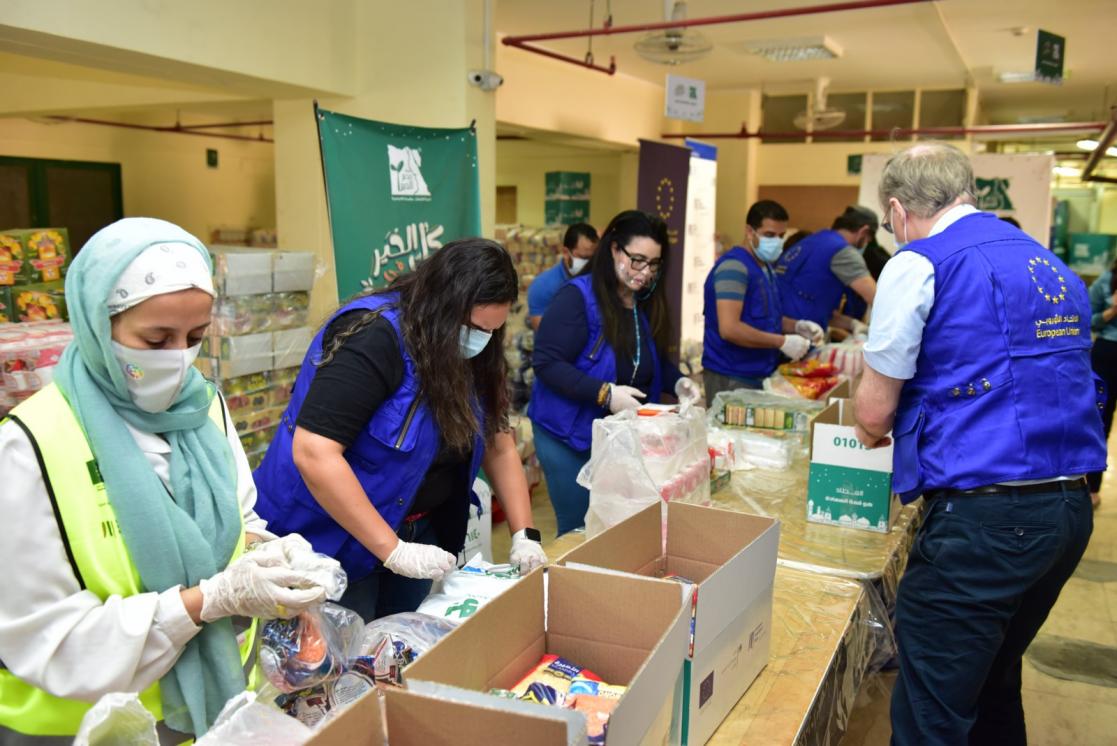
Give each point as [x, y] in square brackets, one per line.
[524, 163]
[163, 175]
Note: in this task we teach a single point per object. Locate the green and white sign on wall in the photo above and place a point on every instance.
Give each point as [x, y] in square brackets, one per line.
[849, 485]
[1051, 51]
[396, 194]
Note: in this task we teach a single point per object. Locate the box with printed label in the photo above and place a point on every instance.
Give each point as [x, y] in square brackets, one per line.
[566, 212]
[849, 485]
[566, 185]
[34, 255]
[730, 558]
[629, 631]
[7, 313]
[40, 302]
[238, 270]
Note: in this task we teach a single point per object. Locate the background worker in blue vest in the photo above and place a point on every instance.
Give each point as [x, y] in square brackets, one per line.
[402, 397]
[600, 350]
[813, 274]
[746, 325]
[127, 505]
[578, 245]
[978, 362]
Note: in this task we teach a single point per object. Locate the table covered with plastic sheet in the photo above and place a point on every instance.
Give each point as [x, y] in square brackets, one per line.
[878, 559]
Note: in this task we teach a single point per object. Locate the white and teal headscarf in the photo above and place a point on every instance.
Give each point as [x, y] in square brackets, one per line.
[174, 539]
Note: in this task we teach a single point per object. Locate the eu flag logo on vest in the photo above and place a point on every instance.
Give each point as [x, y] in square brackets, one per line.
[1047, 280]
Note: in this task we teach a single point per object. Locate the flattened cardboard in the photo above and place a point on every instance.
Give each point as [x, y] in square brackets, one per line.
[630, 631]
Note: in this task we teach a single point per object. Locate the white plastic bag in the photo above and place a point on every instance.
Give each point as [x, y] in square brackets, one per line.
[118, 719]
[248, 720]
[479, 530]
[638, 461]
[465, 591]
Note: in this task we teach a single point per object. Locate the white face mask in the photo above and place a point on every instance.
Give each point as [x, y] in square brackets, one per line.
[577, 264]
[473, 341]
[155, 377]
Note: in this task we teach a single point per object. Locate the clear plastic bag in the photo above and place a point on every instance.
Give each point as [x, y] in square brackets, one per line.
[248, 719]
[118, 719]
[637, 461]
[392, 643]
[309, 649]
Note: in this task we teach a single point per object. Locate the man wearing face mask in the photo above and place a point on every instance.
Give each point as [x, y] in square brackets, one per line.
[813, 275]
[746, 328]
[400, 401]
[578, 246]
[978, 367]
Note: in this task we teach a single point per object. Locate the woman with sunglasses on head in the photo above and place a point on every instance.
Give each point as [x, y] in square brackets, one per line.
[600, 350]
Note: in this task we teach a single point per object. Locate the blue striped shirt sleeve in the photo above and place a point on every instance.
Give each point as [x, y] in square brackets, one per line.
[731, 280]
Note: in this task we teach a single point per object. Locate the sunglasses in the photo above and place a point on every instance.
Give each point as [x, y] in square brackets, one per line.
[639, 262]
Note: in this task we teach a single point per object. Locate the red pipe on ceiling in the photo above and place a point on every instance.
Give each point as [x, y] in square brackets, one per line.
[174, 130]
[524, 42]
[986, 129]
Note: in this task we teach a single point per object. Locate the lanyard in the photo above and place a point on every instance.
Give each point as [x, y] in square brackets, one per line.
[636, 357]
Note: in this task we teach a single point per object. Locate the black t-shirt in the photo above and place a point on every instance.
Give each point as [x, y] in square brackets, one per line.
[346, 392]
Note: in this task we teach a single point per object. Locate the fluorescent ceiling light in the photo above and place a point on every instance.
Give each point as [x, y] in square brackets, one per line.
[1092, 145]
[1066, 171]
[792, 50]
[1025, 77]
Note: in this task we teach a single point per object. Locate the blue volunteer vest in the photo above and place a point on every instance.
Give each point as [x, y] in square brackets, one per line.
[1003, 388]
[571, 421]
[808, 288]
[762, 309]
[390, 458]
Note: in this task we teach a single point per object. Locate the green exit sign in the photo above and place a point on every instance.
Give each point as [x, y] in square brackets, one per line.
[1051, 51]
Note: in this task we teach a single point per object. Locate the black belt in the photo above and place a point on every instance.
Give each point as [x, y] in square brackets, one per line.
[1066, 485]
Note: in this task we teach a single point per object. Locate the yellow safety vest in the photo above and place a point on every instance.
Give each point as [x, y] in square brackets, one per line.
[93, 543]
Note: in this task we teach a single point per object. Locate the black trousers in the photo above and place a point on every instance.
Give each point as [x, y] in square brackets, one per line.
[1104, 360]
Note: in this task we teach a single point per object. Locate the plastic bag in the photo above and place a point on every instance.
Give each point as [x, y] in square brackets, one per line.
[638, 461]
[117, 719]
[247, 720]
[848, 357]
[311, 648]
[392, 643]
[466, 590]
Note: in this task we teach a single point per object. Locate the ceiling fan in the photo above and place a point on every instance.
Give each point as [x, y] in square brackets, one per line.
[818, 116]
[674, 46]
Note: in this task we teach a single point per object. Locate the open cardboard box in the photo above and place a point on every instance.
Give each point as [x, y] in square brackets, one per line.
[405, 718]
[732, 558]
[629, 631]
[849, 484]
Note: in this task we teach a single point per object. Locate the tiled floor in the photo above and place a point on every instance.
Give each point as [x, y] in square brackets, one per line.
[1058, 712]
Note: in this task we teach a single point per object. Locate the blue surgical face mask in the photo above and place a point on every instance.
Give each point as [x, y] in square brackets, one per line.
[473, 341]
[768, 248]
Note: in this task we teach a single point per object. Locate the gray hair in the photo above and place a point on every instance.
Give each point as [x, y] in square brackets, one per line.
[926, 178]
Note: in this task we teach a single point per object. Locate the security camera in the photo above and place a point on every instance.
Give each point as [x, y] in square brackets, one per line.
[486, 80]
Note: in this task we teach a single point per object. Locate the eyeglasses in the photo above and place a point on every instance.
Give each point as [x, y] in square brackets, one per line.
[639, 262]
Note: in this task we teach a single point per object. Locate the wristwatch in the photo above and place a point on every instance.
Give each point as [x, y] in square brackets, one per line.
[533, 534]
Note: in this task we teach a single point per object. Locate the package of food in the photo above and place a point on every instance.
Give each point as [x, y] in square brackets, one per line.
[392, 643]
[548, 683]
[40, 302]
[290, 309]
[34, 256]
[242, 314]
[311, 648]
[11, 259]
[597, 711]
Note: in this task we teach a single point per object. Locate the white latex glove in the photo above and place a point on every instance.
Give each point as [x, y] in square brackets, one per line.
[795, 346]
[686, 390]
[858, 327]
[294, 552]
[248, 588]
[526, 554]
[624, 397]
[423, 561]
[812, 331]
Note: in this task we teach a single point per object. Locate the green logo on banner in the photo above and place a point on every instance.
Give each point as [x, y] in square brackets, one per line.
[396, 194]
[992, 194]
[1051, 51]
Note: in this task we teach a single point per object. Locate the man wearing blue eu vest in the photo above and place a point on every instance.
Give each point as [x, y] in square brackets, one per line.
[746, 329]
[978, 362]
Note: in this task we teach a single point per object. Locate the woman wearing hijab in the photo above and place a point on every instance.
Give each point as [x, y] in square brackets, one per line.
[600, 350]
[127, 508]
[402, 397]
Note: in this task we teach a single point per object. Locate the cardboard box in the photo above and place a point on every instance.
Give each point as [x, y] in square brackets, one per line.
[566, 185]
[7, 312]
[40, 302]
[290, 346]
[405, 718]
[34, 255]
[566, 212]
[843, 390]
[238, 270]
[292, 271]
[849, 485]
[629, 631]
[732, 558]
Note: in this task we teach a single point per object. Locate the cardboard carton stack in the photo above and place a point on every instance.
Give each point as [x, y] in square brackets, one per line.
[567, 197]
[28, 354]
[259, 335]
[33, 264]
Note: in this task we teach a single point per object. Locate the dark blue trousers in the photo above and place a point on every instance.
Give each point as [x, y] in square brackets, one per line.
[983, 574]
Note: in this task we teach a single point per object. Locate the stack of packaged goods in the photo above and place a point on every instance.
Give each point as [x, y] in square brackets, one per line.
[756, 429]
[33, 263]
[567, 197]
[259, 336]
[808, 379]
[28, 354]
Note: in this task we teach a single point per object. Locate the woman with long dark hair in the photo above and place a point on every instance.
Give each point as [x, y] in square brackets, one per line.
[600, 349]
[401, 399]
[1103, 322]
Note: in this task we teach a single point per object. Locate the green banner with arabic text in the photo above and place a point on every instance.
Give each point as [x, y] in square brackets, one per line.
[396, 194]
